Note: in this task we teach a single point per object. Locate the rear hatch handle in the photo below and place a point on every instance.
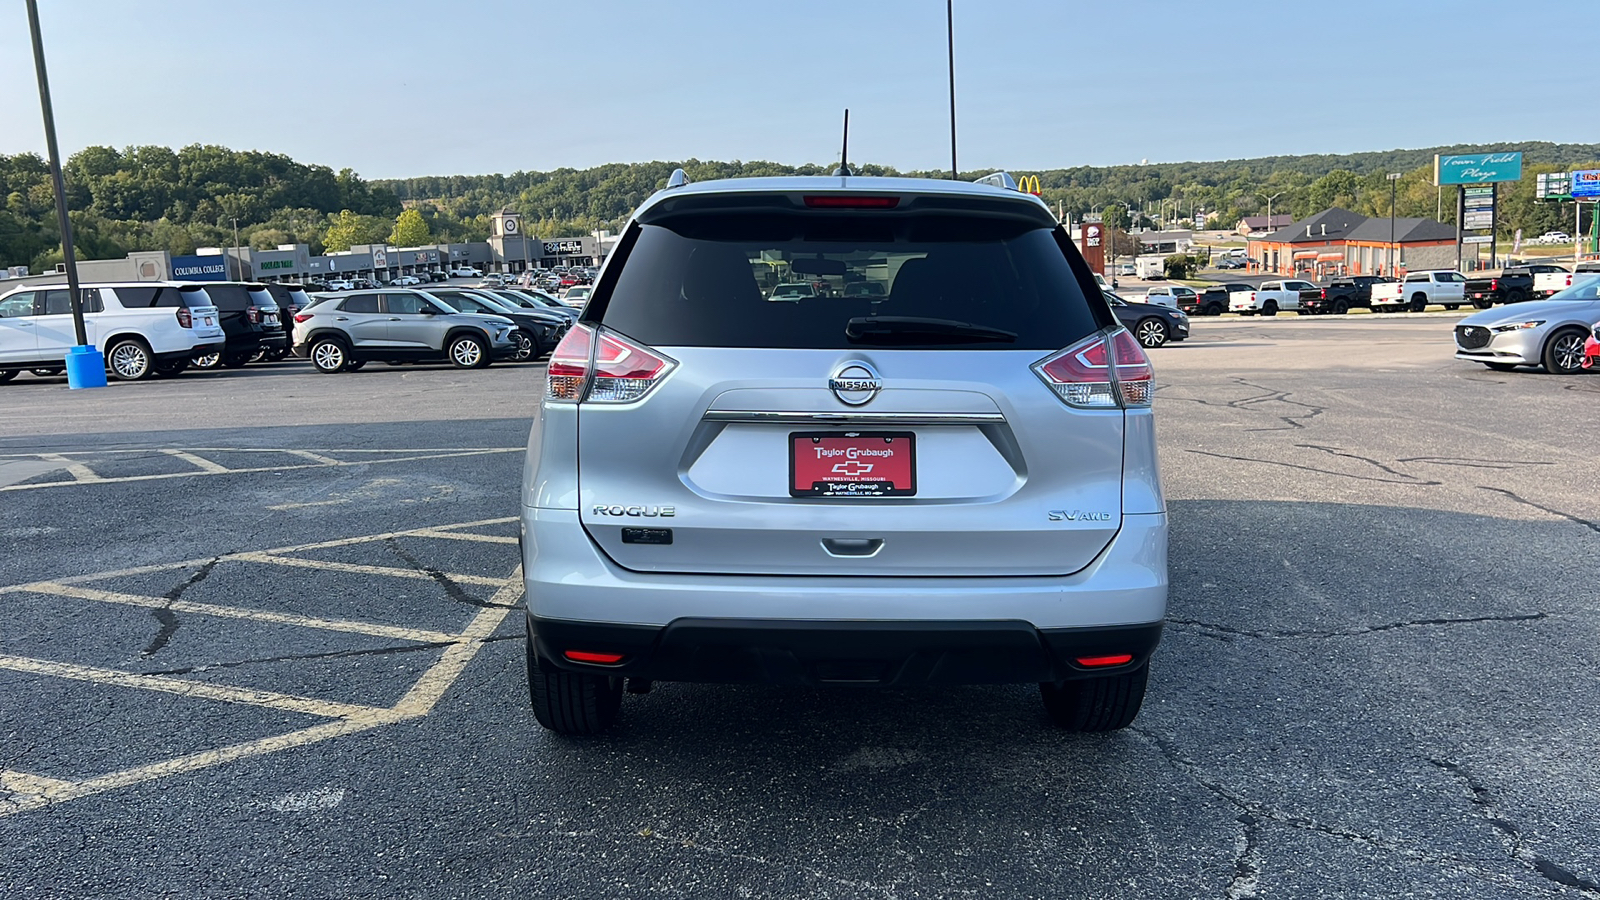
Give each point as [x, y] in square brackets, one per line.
[854, 548]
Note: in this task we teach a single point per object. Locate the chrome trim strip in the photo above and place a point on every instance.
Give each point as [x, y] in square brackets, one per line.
[851, 418]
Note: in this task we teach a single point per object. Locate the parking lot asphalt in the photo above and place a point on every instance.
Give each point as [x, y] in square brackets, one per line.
[262, 640]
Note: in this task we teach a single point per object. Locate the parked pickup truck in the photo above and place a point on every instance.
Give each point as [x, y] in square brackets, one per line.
[1343, 294]
[1213, 301]
[1446, 288]
[1514, 284]
[1547, 283]
[1271, 297]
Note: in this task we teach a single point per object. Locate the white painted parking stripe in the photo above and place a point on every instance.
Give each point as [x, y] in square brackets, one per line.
[372, 629]
[310, 706]
[283, 506]
[314, 457]
[204, 465]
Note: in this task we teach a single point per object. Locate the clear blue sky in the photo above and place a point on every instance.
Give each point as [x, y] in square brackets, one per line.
[1039, 84]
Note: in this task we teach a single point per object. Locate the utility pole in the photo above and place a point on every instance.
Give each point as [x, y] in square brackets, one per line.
[86, 366]
[1394, 182]
[950, 30]
[238, 261]
[1270, 229]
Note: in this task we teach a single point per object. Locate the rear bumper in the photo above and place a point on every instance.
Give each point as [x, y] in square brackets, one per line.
[887, 654]
[568, 578]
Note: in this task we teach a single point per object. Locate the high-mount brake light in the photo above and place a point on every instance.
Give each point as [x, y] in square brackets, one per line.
[185, 318]
[850, 201]
[622, 371]
[1100, 372]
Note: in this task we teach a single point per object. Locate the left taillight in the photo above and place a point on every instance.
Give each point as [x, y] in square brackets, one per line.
[1100, 372]
[303, 317]
[595, 366]
[185, 318]
[253, 314]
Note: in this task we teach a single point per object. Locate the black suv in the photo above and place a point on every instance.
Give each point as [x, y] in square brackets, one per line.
[249, 319]
[291, 298]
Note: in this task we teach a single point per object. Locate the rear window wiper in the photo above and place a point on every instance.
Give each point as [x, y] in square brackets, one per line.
[889, 330]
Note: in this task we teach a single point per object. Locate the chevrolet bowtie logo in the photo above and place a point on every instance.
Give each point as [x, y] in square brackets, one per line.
[852, 468]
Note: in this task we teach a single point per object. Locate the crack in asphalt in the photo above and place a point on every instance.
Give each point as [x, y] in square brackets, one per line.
[1483, 801]
[1273, 462]
[1468, 463]
[164, 615]
[1247, 870]
[1592, 526]
[1335, 451]
[1266, 634]
[452, 589]
[1274, 395]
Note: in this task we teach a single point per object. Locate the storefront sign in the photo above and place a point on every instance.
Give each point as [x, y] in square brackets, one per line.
[1478, 168]
[1478, 239]
[563, 248]
[1478, 218]
[267, 264]
[200, 268]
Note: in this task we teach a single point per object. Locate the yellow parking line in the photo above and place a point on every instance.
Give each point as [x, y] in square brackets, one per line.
[204, 465]
[85, 475]
[372, 629]
[420, 700]
[310, 706]
[464, 536]
[295, 548]
[353, 568]
[80, 472]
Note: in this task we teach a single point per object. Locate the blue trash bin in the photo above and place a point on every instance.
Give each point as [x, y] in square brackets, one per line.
[86, 368]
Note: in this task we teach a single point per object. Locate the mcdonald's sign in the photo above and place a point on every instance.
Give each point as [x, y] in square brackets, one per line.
[1028, 184]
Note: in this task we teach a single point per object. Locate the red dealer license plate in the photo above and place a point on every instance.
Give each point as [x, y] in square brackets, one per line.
[853, 464]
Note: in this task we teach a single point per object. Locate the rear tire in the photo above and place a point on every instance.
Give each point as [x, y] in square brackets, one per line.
[171, 369]
[329, 356]
[236, 360]
[1271, 309]
[1214, 309]
[208, 361]
[468, 352]
[130, 360]
[527, 347]
[1104, 703]
[1482, 303]
[571, 703]
[1419, 303]
[1516, 297]
[1341, 308]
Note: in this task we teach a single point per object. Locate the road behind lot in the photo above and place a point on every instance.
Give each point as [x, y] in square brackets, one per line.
[1377, 680]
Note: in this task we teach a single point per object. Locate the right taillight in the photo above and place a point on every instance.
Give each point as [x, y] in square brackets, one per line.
[303, 317]
[1100, 372]
[591, 366]
[185, 318]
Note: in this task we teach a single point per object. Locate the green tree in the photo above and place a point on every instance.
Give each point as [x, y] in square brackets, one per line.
[347, 229]
[410, 230]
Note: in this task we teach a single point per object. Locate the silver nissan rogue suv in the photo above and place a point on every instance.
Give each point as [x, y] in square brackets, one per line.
[948, 477]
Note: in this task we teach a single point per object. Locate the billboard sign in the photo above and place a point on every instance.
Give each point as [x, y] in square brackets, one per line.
[199, 268]
[1477, 168]
[1553, 186]
[1094, 248]
[1586, 184]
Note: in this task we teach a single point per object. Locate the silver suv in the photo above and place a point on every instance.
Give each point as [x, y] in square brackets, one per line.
[950, 478]
[344, 332]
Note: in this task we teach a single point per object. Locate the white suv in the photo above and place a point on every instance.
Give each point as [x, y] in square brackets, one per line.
[953, 481]
[144, 328]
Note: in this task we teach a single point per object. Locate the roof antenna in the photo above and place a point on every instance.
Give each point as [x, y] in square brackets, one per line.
[844, 151]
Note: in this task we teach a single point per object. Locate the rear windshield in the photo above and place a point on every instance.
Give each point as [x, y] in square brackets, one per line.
[229, 297]
[162, 296]
[825, 282]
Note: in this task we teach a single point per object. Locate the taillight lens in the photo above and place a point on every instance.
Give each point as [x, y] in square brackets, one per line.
[622, 370]
[1494, 284]
[185, 318]
[1324, 293]
[1100, 372]
[303, 317]
[253, 314]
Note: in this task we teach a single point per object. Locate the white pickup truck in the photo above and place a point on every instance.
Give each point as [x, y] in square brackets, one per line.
[1444, 287]
[1270, 297]
[1547, 283]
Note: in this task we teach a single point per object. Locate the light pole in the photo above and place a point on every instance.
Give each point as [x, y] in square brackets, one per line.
[1270, 229]
[238, 262]
[86, 366]
[1394, 183]
[950, 30]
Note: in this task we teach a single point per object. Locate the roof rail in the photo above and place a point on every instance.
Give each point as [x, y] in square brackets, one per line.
[1000, 180]
[677, 179]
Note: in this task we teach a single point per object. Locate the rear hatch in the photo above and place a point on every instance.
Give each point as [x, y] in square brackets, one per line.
[904, 433]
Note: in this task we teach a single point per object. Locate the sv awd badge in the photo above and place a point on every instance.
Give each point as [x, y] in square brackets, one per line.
[1078, 515]
[648, 512]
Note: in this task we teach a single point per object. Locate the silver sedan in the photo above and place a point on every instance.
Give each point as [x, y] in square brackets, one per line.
[1548, 333]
